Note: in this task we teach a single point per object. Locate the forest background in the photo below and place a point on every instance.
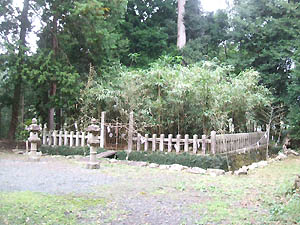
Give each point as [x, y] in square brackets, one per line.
[238, 66]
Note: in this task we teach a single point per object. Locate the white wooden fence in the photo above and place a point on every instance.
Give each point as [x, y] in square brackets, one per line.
[197, 144]
[214, 144]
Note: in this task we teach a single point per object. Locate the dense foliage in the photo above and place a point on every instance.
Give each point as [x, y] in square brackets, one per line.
[120, 55]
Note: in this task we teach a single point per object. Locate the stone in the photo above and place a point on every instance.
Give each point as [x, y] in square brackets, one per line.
[229, 173]
[153, 165]
[70, 157]
[262, 164]
[291, 152]
[176, 167]
[141, 164]
[215, 172]
[281, 156]
[253, 166]
[92, 165]
[196, 170]
[113, 160]
[241, 172]
[164, 167]
[106, 154]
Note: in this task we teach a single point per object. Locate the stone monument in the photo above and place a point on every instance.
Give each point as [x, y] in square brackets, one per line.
[94, 142]
[34, 139]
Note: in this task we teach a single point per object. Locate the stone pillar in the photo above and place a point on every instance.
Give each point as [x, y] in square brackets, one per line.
[94, 142]
[34, 139]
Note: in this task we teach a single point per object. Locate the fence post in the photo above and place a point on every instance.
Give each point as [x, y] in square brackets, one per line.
[130, 132]
[102, 131]
[170, 142]
[146, 144]
[65, 138]
[153, 142]
[195, 137]
[77, 139]
[54, 137]
[186, 143]
[213, 142]
[138, 142]
[161, 142]
[178, 143]
[71, 138]
[45, 135]
[203, 144]
[82, 139]
[60, 138]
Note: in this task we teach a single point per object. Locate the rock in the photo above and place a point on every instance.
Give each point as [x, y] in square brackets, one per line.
[164, 167]
[291, 152]
[281, 156]
[176, 167]
[113, 160]
[70, 157]
[271, 160]
[153, 165]
[106, 154]
[215, 172]
[229, 173]
[262, 164]
[242, 171]
[252, 166]
[141, 164]
[19, 151]
[196, 170]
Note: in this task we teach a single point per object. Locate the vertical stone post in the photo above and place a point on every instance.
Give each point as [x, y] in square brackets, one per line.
[186, 143]
[213, 142]
[195, 147]
[130, 132]
[203, 144]
[102, 132]
[93, 141]
[170, 142]
[34, 140]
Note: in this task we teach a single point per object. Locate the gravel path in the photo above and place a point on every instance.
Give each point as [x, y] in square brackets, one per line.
[129, 189]
[49, 176]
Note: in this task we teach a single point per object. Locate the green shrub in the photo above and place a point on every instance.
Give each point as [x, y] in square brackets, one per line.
[185, 159]
[66, 150]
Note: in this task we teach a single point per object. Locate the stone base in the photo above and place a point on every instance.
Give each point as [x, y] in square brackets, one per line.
[93, 165]
[34, 157]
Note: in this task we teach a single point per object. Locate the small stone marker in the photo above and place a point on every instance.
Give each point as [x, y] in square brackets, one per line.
[94, 142]
[34, 139]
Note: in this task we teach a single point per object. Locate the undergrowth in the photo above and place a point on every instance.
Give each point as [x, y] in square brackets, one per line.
[66, 150]
[184, 159]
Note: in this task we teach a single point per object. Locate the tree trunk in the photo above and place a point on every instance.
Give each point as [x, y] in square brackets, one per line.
[181, 35]
[18, 83]
[53, 82]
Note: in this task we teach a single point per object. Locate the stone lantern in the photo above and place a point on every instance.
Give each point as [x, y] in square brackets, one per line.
[34, 139]
[94, 142]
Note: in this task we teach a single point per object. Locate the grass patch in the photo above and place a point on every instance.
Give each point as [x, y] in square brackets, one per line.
[36, 208]
[66, 150]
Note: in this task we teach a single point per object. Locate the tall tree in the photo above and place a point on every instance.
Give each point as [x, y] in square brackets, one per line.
[24, 26]
[181, 35]
[150, 27]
